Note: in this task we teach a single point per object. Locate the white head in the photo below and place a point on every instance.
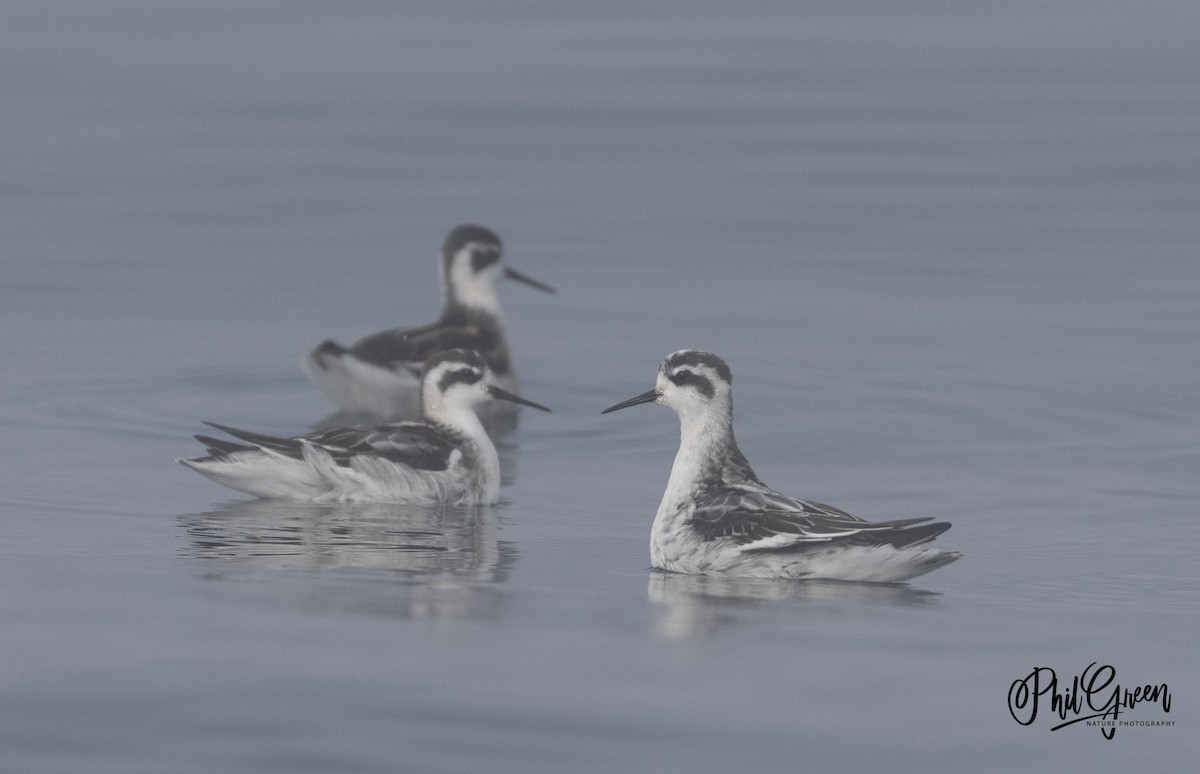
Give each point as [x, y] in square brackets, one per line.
[471, 264]
[454, 381]
[697, 385]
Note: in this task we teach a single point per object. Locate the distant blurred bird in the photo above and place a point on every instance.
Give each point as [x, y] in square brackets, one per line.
[379, 374]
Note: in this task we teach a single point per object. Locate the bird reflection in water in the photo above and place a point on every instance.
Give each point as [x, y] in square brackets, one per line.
[697, 605]
[386, 559]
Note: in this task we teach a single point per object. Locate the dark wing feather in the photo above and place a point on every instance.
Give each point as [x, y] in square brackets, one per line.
[748, 515]
[416, 444]
[219, 448]
[288, 446]
[398, 347]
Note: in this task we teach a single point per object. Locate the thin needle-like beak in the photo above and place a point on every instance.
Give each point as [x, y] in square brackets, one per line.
[519, 277]
[496, 392]
[648, 396]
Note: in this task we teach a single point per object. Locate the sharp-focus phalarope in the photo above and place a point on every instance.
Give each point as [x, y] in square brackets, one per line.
[445, 457]
[379, 374]
[716, 517]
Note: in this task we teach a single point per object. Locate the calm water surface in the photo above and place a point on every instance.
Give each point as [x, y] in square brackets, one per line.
[949, 252]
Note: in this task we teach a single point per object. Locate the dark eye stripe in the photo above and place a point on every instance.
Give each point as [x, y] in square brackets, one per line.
[686, 377]
[689, 357]
[458, 376]
[483, 257]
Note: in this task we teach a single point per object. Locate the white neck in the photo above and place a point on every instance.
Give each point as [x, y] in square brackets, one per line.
[474, 291]
[702, 437]
[477, 295]
[463, 419]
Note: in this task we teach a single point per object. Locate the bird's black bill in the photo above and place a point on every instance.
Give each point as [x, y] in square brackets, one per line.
[519, 277]
[496, 392]
[649, 396]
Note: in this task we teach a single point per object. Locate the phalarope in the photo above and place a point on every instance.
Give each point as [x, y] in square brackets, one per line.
[444, 458]
[717, 518]
[379, 374]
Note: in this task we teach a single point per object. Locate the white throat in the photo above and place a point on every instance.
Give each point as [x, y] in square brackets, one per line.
[703, 436]
[464, 420]
[473, 290]
[456, 416]
[477, 293]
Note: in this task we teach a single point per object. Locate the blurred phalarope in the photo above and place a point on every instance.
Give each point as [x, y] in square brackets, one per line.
[379, 374]
[445, 457]
[716, 517]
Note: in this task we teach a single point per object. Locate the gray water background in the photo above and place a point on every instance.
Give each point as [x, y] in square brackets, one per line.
[949, 250]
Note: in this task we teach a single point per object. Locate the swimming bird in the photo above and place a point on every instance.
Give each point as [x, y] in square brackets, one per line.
[717, 518]
[378, 375]
[446, 457]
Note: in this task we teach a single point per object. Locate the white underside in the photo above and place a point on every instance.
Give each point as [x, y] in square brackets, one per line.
[359, 386]
[864, 564]
[317, 477]
[384, 393]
